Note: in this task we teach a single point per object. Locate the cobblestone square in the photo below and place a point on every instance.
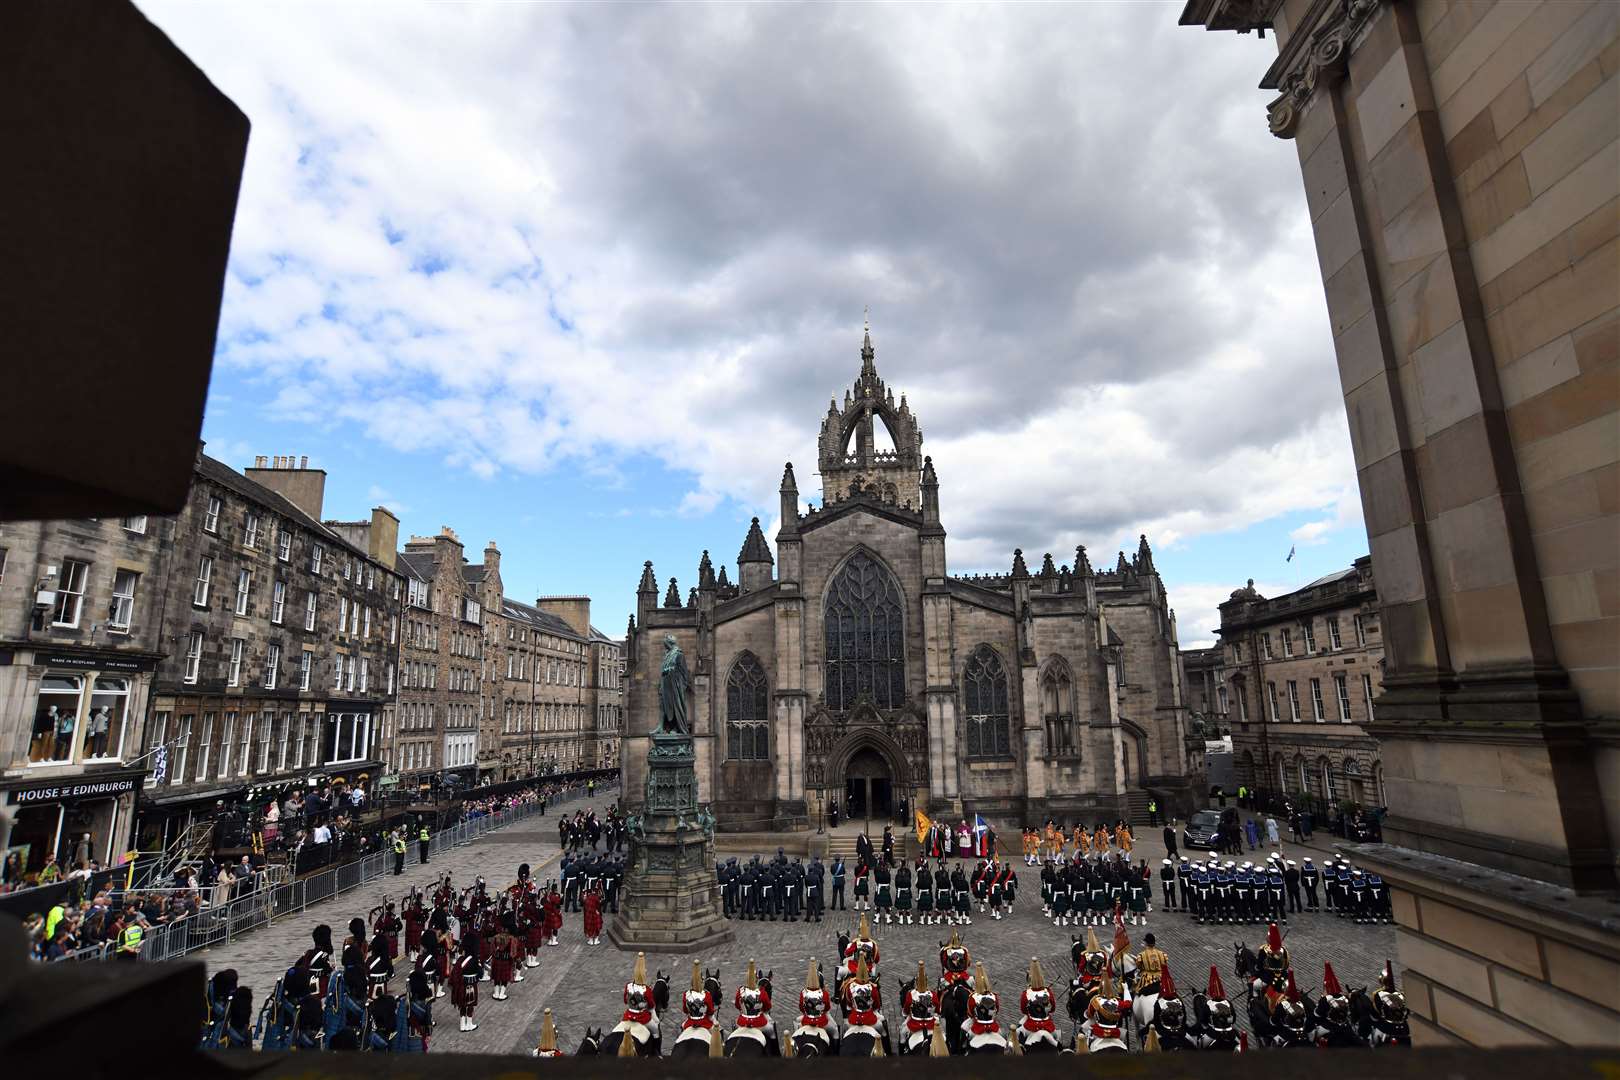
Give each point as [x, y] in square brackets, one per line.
[582, 984]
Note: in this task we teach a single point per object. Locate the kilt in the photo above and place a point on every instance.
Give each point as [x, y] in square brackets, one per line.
[1100, 901]
[593, 922]
[501, 967]
[885, 895]
[1060, 902]
[902, 899]
[463, 993]
[1138, 903]
[963, 903]
[925, 899]
[534, 936]
[860, 886]
[413, 936]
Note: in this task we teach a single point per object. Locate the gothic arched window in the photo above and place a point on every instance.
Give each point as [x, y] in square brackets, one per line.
[748, 731]
[984, 694]
[1057, 710]
[866, 654]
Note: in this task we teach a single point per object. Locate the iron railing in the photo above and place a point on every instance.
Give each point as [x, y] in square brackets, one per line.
[224, 923]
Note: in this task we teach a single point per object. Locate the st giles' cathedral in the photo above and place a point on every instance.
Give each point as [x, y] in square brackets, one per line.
[854, 667]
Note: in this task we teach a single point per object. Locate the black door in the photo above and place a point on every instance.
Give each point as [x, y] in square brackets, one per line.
[855, 798]
[882, 798]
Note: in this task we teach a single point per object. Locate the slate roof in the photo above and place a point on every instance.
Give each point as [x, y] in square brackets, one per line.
[226, 477]
[542, 620]
[417, 564]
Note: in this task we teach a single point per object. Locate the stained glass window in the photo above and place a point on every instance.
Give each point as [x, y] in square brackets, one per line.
[1057, 696]
[748, 732]
[984, 693]
[866, 654]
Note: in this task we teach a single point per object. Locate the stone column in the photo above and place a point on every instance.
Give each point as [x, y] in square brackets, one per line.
[1486, 754]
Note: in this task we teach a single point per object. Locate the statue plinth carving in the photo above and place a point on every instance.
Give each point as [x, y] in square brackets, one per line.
[670, 900]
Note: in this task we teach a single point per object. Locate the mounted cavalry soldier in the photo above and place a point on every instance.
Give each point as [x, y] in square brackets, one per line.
[1335, 1023]
[866, 1033]
[921, 1006]
[983, 1032]
[636, 1034]
[861, 949]
[1168, 1024]
[1214, 1024]
[700, 1036]
[1282, 1019]
[816, 1034]
[547, 1047]
[1271, 962]
[1381, 1020]
[1037, 1033]
[1103, 1030]
[755, 1034]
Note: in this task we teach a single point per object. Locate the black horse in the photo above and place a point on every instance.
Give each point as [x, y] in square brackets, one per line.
[591, 1044]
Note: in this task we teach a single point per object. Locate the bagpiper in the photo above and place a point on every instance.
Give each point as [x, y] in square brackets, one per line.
[415, 918]
[464, 975]
[593, 915]
[551, 909]
[1037, 1033]
[503, 956]
[983, 1032]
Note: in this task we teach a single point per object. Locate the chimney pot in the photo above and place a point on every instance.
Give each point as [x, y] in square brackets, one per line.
[303, 461]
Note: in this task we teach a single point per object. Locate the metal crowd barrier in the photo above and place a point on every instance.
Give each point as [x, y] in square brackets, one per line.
[217, 925]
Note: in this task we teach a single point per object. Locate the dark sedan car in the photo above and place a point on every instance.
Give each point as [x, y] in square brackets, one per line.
[1201, 830]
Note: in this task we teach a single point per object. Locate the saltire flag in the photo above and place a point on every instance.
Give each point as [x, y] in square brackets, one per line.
[1290, 554]
[924, 823]
[981, 836]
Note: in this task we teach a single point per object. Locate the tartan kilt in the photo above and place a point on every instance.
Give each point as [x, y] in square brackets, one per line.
[534, 936]
[925, 900]
[413, 937]
[1138, 902]
[902, 899]
[463, 993]
[593, 922]
[501, 968]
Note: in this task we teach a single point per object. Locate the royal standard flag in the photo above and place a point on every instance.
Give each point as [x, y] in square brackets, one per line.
[924, 823]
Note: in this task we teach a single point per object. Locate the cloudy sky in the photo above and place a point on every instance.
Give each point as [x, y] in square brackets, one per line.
[581, 278]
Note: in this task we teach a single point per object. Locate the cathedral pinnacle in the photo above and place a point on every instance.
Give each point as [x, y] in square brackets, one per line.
[754, 549]
[1144, 557]
[1082, 564]
[929, 477]
[867, 352]
[649, 583]
[788, 481]
[1048, 567]
[1019, 570]
[705, 572]
[672, 598]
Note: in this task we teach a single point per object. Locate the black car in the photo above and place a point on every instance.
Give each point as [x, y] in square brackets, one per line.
[1201, 829]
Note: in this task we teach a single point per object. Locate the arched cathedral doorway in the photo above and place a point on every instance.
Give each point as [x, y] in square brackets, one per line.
[868, 787]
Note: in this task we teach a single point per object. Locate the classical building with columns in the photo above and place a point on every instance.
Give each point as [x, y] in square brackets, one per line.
[1461, 165]
[852, 666]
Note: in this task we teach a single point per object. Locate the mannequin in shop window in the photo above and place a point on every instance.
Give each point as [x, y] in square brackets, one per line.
[100, 724]
[64, 734]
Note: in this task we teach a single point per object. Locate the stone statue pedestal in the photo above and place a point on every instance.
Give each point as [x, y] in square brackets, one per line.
[670, 901]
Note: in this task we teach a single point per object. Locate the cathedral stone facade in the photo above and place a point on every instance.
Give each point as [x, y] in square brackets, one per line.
[852, 666]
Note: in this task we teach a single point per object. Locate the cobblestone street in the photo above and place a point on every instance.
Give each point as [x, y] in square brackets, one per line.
[582, 985]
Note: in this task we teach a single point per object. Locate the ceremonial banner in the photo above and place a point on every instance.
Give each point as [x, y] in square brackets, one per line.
[924, 823]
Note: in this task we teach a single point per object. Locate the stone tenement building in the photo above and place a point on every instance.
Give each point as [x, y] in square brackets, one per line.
[1461, 167]
[282, 638]
[80, 637]
[606, 692]
[441, 662]
[1303, 670]
[545, 707]
[854, 666]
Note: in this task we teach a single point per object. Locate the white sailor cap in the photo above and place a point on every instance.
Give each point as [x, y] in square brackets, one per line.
[1292, 863]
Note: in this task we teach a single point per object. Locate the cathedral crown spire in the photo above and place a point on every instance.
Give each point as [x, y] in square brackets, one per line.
[849, 454]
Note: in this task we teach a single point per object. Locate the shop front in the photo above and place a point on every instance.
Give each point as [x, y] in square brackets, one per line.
[81, 818]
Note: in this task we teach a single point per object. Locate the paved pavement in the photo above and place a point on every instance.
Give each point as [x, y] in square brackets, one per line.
[582, 985]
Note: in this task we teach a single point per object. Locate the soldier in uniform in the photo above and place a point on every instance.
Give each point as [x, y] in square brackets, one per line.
[902, 892]
[754, 1025]
[793, 890]
[882, 878]
[464, 975]
[503, 954]
[593, 917]
[1167, 884]
[611, 882]
[816, 1029]
[920, 1003]
[838, 885]
[1310, 877]
[925, 892]
[1378, 906]
[1291, 883]
[547, 1047]
[959, 890]
[1334, 1024]
[728, 887]
[1214, 1025]
[1136, 895]
[863, 889]
[944, 899]
[982, 1030]
[1037, 1033]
